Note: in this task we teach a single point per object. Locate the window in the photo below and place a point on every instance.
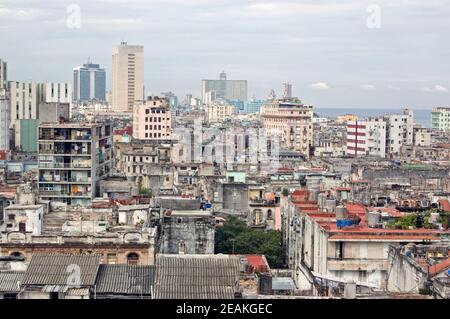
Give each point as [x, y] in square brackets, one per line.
[111, 259]
[132, 259]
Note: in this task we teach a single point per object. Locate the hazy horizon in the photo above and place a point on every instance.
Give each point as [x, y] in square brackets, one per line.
[327, 49]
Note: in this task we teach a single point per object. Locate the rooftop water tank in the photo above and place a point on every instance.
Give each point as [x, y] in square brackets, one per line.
[330, 205]
[374, 219]
[341, 213]
[321, 200]
[434, 217]
[313, 194]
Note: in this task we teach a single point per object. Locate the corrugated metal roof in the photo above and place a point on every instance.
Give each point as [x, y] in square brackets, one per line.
[196, 277]
[125, 279]
[283, 283]
[9, 281]
[61, 269]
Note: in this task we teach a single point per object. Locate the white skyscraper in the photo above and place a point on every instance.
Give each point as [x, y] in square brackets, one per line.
[127, 76]
[24, 101]
[56, 92]
[4, 120]
[3, 75]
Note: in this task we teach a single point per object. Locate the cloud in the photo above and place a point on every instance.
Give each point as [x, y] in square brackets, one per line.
[368, 87]
[436, 89]
[18, 13]
[320, 86]
[280, 8]
[393, 88]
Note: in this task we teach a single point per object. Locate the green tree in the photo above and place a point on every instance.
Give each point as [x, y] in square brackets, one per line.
[235, 235]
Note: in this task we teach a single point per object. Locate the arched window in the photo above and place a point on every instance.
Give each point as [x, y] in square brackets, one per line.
[17, 254]
[132, 259]
[181, 247]
[269, 214]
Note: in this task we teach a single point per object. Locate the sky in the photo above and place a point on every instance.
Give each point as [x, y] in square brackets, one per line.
[336, 53]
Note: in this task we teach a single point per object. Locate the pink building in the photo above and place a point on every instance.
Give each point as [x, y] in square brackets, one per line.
[152, 120]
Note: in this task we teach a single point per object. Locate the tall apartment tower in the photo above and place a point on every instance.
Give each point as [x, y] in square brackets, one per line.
[152, 120]
[3, 75]
[291, 120]
[72, 158]
[24, 101]
[54, 92]
[224, 89]
[89, 83]
[127, 77]
[440, 119]
[4, 119]
[287, 90]
[399, 131]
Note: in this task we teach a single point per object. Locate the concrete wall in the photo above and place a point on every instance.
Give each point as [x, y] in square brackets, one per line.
[194, 233]
[235, 196]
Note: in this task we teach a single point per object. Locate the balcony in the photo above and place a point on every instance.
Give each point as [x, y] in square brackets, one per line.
[45, 193]
[75, 165]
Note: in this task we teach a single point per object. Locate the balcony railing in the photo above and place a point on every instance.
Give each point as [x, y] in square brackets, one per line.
[63, 193]
[65, 165]
[65, 179]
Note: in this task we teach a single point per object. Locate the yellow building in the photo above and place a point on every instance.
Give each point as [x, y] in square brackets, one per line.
[346, 118]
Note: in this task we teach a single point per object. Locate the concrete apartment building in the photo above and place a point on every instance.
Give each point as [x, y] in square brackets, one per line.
[399, 130]
[3, 74]
[24, 101]
[4, 119]
[24, 219]
[72, 158]
[440, 118]
[89, 83]
[224, 89]
[366, 137]
[54, 92]
[219, 111]
[320, 249]
[291, 120]
[152, 120]
[127, 76]
[356, 138]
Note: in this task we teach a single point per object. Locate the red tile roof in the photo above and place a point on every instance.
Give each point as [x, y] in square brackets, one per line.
[257, 263]
[440, 267]
[391, 211]
[383, 237]
[444, 204]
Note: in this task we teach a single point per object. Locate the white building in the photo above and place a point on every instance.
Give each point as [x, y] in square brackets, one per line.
[24, 218]
[376, 137]
[56, 92]
[219, 112]
[127, 76]
[366, 137]
[422, 137]
[24, 101]
[3, 75]
[399, 131]
[4, 119]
